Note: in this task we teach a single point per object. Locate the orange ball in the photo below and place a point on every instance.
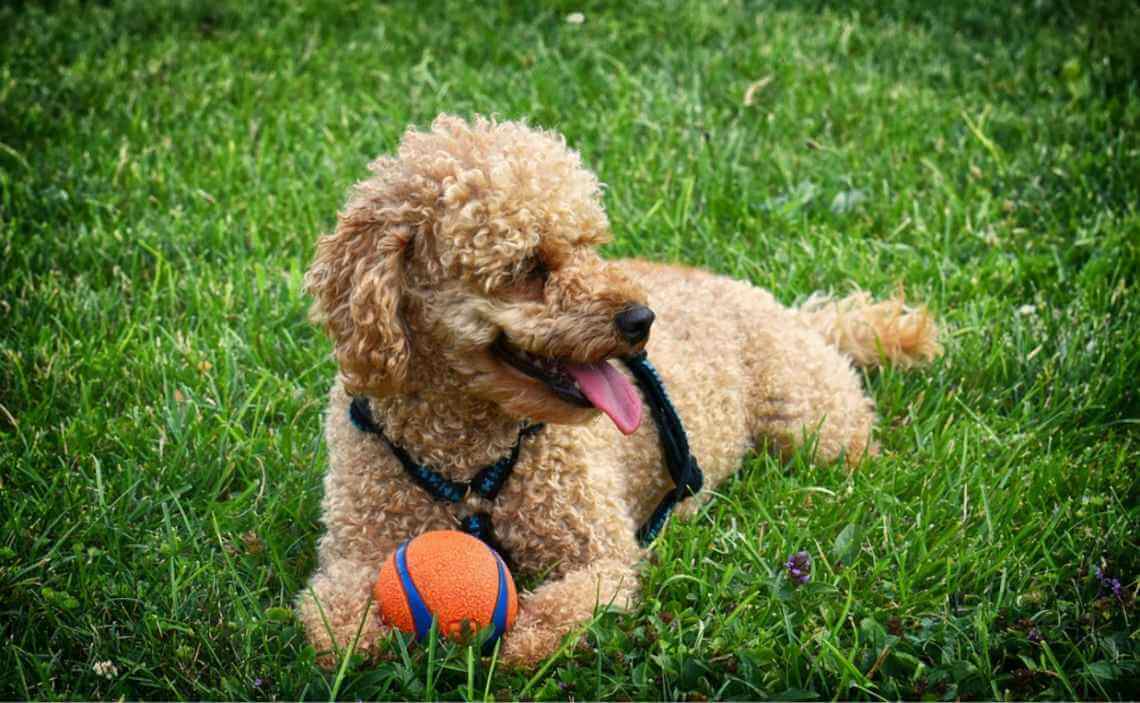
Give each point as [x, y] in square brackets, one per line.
[451, 576]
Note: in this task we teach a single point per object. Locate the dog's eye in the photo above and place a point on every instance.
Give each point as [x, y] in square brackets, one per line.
[530, 283]
[538, 270]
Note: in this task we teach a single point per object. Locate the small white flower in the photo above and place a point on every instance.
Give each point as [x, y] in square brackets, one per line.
[575, 18]
[1027, 309]
[106, 669]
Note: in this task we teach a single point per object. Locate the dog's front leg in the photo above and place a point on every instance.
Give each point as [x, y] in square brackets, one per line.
[556, 608]
[336, 605]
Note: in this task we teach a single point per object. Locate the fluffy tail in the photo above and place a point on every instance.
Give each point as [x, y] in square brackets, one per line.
[871, 332]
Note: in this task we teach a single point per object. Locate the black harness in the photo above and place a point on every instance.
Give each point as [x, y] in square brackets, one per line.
[489, 481]
[682, 465]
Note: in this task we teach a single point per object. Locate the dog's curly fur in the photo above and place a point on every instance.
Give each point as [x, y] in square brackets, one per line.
[479, 231]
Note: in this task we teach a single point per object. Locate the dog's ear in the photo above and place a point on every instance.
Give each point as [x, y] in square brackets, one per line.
[357, 281]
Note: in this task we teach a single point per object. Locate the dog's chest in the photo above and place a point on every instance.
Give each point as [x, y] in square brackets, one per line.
[559, 509]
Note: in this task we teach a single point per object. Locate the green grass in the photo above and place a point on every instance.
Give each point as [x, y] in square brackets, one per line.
[164, 172]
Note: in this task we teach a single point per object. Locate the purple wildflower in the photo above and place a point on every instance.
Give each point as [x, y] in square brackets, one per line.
[799, 567]
[1034, 635]
[257, 682]
[1108, 583]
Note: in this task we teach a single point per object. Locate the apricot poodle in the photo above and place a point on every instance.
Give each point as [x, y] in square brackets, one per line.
[466, 301]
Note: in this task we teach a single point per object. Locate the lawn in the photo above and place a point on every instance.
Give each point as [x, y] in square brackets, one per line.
[165, 171]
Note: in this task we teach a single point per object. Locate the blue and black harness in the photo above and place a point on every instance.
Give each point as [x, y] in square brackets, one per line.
[682, 466]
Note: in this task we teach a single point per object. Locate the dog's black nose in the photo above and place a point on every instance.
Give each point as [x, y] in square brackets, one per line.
[634, 323]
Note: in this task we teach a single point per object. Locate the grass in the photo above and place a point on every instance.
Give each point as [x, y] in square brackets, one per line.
[165, 170]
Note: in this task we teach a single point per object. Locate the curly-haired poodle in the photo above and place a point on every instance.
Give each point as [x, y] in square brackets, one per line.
[466, 300]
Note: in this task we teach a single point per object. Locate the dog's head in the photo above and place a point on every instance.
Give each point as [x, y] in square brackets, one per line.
[467, 262]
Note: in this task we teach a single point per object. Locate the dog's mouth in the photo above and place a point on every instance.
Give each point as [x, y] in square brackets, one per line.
[596, 385]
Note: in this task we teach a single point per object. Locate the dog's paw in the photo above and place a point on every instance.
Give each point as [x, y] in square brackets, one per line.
[339, 615]
[529, 642]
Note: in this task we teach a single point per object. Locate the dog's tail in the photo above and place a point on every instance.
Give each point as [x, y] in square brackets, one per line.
[874, 332]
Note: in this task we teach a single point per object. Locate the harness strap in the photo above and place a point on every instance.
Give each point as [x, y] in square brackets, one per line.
[682, 465]
[487, 483]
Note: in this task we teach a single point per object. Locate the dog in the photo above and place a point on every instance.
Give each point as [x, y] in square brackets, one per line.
[466, 302]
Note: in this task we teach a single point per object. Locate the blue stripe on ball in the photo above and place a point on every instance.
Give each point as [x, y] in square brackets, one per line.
[499, 617]
[421, 616]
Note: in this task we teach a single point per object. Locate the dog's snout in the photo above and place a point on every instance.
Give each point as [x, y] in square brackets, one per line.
[634, 323]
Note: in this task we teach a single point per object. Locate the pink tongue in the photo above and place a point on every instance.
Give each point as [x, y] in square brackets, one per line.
[610, 392]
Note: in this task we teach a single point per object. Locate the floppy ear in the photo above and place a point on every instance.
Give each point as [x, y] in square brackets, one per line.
[357, 281]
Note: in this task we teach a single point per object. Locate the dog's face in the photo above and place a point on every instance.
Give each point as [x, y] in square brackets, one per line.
[468, 263]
